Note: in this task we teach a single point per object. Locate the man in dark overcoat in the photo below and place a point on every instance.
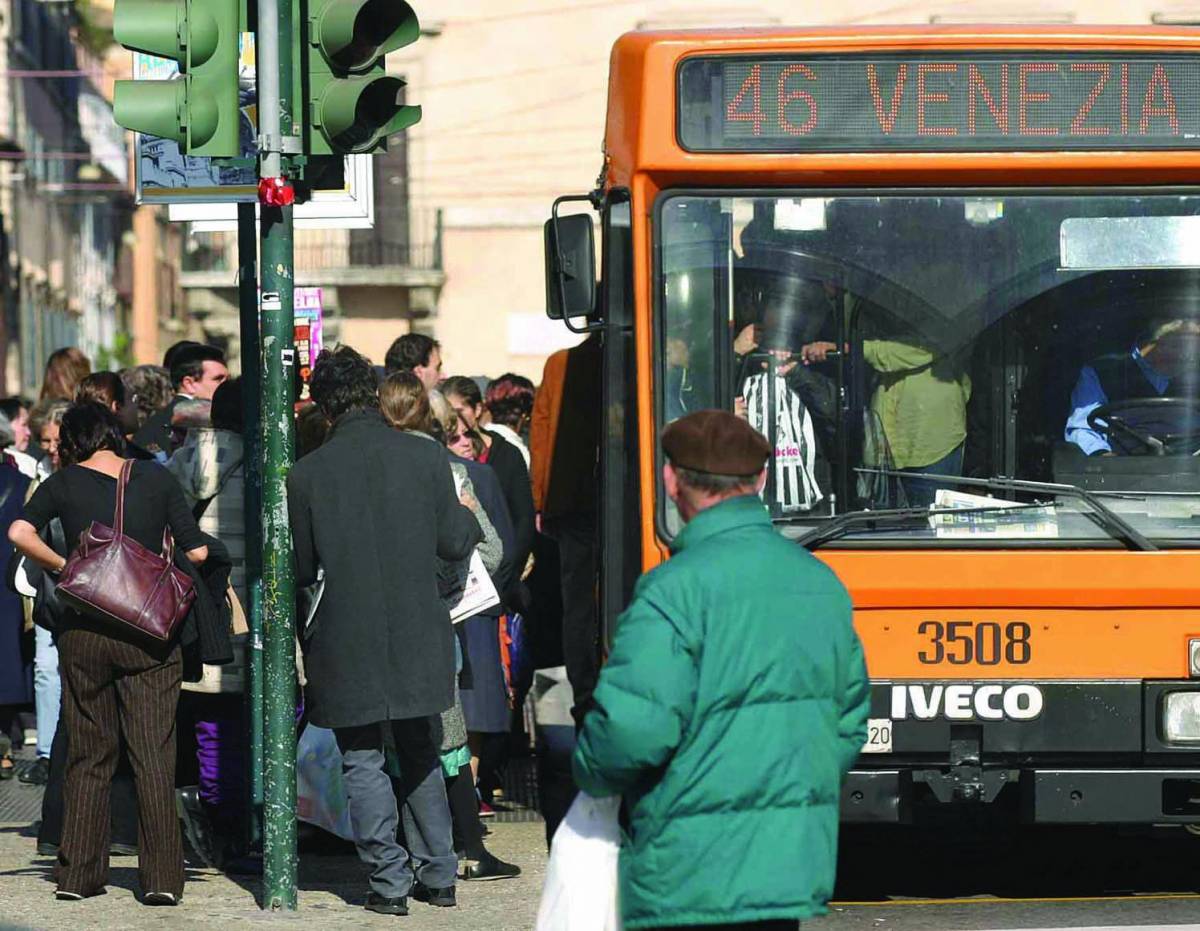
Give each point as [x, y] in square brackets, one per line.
[375, 508]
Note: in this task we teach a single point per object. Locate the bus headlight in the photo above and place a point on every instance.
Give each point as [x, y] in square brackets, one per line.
[1181, 717]
[1194, 657]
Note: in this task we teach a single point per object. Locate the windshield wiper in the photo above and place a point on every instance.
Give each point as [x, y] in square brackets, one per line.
[894, 519]
[1100, 513]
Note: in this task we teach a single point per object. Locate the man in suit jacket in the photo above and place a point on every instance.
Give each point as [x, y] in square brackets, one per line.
[375, 508]
[197, 371]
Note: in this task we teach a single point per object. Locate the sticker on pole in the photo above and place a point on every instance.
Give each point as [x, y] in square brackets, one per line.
[272, 301]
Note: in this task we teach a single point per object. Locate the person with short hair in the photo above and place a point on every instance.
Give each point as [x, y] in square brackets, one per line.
[148, 388]
[508, 403]
[17, 411]
[375, 509]
[14, 419]
[174, 349]
[416, 353]
[210, 468]
[1161, 363]
[45, 422]
[114, 683]
[734, 701]
[196, 373]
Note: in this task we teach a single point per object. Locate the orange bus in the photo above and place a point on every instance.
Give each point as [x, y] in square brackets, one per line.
[953, 274]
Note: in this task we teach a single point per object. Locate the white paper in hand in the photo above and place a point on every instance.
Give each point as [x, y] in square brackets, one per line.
[581, 880]
[479, 593]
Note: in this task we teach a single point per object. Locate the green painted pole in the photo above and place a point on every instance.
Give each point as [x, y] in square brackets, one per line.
[274, 51]
[278, 580]
[252, 459]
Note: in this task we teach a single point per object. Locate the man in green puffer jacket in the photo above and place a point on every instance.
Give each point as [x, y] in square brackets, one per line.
[733, 703]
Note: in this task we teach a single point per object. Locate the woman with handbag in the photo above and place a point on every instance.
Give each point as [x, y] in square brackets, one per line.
[119, 659]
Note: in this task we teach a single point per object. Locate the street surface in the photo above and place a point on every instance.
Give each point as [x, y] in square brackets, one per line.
[332, 890]
[960, 877]
[972, 878]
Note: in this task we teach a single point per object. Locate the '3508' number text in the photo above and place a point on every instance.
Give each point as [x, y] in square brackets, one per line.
[986, 643]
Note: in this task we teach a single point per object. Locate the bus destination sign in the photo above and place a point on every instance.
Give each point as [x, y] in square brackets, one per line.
[939, 102]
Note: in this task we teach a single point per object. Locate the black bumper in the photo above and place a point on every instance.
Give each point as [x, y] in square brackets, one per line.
[1095, 753]
[1046, 796]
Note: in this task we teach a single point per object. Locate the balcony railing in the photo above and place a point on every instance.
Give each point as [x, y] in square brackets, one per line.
[330, 255]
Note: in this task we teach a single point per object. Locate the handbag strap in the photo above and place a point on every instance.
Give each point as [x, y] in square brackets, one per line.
[122, 481]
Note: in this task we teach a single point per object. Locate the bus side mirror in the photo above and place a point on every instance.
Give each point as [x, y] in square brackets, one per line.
[570, 267]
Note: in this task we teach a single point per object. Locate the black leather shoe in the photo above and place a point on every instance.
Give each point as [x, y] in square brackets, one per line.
[196, 827]
[442, 898]
[36, 775]
[385, 906]
[486, 868]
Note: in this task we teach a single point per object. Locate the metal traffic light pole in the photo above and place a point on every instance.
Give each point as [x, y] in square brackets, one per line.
[251, 351]
[276, 140]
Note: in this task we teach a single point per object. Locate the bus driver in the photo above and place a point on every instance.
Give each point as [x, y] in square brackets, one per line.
[1161, 364]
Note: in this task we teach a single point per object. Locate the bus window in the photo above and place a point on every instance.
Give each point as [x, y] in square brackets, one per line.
[889, 345]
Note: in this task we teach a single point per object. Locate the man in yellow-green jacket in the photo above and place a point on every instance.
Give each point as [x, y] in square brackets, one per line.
[733, 703]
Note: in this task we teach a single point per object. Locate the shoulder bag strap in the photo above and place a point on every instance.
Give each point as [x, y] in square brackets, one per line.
[122, 481]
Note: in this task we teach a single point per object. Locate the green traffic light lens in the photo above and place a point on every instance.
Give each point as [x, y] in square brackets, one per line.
[358, 112]
[152, 107]
[374, 109]
[352, 36]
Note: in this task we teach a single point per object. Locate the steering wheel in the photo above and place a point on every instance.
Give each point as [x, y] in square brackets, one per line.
[1109, 419]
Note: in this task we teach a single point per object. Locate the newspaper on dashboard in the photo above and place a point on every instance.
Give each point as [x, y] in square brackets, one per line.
[1026, 523]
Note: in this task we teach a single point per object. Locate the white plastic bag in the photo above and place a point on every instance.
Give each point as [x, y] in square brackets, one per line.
[320, 795]
[581, 880]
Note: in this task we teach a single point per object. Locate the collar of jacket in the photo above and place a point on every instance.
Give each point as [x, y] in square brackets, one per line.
[356, 419]
[731, 514]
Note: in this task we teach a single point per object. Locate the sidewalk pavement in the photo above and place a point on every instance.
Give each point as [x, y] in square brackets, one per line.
[332, 891]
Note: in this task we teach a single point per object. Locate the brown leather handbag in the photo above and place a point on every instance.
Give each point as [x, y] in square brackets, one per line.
[114, 578]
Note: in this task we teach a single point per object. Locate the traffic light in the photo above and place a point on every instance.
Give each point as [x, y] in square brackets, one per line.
[352, 103]
[199, 109]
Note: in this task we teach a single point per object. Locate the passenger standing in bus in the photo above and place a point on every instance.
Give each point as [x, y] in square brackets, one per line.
[733, 702]
[920, 401]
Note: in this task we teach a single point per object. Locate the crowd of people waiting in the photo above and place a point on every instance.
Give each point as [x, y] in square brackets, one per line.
[408, 487]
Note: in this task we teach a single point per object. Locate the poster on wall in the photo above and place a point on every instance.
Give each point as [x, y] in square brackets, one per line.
[202, 192]
[308, 308]
[165, 175]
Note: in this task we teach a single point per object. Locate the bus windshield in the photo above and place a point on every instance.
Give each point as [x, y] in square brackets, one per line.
[889, 344]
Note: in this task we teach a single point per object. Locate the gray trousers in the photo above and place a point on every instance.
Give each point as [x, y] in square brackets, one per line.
[420, 793]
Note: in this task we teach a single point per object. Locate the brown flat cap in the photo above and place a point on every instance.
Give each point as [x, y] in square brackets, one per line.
[717, 442]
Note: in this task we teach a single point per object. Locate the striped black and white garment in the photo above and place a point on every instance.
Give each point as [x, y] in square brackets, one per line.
[795, 443]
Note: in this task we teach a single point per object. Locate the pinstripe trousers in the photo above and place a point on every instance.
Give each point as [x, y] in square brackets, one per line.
[110, 683]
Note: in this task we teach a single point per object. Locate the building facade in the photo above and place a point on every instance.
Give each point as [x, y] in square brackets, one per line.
[64, 202]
